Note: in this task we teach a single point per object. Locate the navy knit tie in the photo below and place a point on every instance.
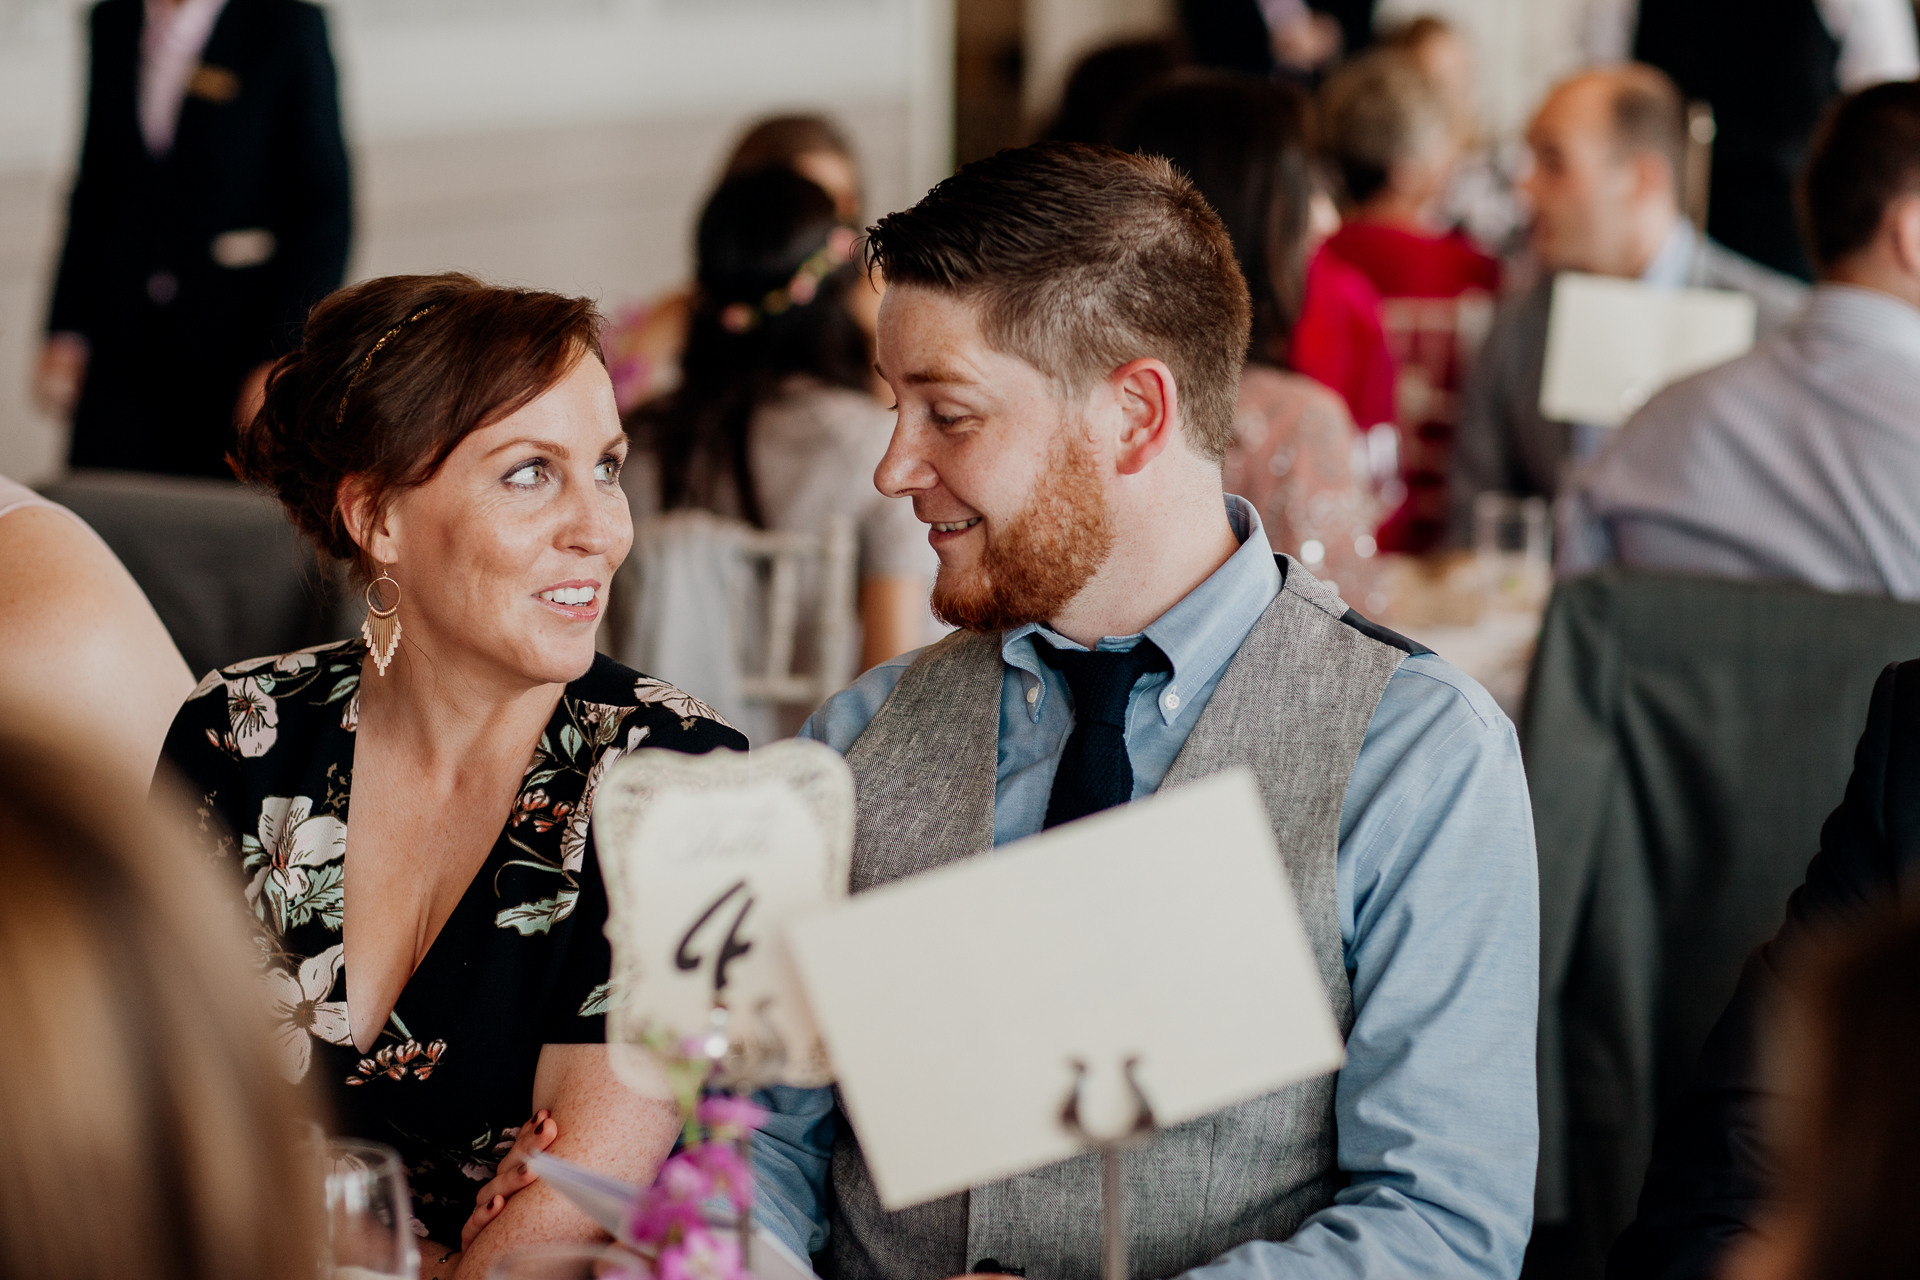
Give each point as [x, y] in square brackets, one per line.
[1095, 772]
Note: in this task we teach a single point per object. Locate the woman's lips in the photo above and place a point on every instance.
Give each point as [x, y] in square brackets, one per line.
[578, 600]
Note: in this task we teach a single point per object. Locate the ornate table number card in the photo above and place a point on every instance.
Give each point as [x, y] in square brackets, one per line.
[706, 858]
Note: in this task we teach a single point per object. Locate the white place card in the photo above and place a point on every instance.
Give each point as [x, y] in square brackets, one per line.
[705, 857]
[955, 1002]
[1612, 343]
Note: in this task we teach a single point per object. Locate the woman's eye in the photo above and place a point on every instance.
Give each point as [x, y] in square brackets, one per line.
[526, 476]
[608, 471]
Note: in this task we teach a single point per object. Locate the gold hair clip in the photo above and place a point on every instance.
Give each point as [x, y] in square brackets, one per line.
[385, 338]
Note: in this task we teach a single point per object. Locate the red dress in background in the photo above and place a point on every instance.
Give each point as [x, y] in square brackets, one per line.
[1338, 340]
[1436, 304]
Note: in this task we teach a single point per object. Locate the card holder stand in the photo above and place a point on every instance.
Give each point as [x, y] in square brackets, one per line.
[1113, 1204]
[740, 1066]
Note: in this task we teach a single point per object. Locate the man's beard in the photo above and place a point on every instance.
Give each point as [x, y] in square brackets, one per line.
[1040, 560]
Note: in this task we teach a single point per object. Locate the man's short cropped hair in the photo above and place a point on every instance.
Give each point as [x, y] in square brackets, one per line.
[1082, 258]
[1865, 155]
[1375, 112]
[1648, 114]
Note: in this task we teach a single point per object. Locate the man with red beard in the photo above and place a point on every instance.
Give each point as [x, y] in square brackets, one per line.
[1063, 330]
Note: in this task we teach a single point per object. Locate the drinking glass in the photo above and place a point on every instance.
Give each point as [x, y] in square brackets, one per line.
[1510, 543]
[570, 1262]
[369, 1213]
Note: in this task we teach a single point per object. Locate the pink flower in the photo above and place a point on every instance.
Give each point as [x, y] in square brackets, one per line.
[729, 1174]
[657, 1220]
[728, 1115]
[701, 1255]
[683, 1177]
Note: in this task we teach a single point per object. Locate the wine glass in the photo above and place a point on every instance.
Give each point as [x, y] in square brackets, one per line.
[369, 1213]
[570, 1262]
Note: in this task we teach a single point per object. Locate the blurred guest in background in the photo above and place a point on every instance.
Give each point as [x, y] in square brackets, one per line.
[1104, 82]
[1340, 339]
[1393, 139]
[155, 1139]
[1721, 1153]
[1296, 455]
[1480, 201]
[1851, 1120]
[813, 147]
[1800, 461]
[773, 422]
[1609, 147]
[644, 343]
[1336, 336]
[70, 614]
[1768, 68]
[1262, 37]
[211, 210]
[457, 446]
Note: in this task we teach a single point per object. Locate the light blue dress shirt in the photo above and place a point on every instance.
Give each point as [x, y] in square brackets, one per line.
[1439, 920]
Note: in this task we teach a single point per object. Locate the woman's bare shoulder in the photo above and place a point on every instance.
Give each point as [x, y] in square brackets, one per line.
[77, 630]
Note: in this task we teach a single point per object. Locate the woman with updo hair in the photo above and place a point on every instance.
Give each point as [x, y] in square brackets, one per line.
[437, 961]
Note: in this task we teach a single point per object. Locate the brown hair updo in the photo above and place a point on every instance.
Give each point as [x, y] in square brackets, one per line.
[481, 353]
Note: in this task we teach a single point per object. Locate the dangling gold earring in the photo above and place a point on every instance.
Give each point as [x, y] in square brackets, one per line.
[381, 630]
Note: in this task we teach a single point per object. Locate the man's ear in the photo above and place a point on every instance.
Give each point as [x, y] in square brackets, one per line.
[368, 527]
[1653, 177]
[1149, 412]
[1902, 230]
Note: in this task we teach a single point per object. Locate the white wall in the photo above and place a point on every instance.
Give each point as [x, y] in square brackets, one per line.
[562, 143]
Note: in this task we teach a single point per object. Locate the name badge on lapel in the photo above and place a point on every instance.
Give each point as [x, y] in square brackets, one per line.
[213, 84]
[247, 247]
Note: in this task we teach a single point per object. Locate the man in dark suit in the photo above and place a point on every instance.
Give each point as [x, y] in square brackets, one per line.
[1709, 1182]
[212, 208]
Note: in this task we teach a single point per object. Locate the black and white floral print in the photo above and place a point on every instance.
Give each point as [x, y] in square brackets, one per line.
[522, 962]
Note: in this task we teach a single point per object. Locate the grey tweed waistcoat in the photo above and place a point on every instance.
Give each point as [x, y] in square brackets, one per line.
[1293, 706]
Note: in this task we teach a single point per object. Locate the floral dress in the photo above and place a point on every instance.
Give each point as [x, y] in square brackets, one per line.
[522, 962]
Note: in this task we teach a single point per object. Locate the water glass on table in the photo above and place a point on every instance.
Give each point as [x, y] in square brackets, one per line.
[570, 1262]
[1511, 545]
[369, 1213]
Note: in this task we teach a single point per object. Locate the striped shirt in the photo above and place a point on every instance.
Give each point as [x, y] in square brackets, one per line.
[1797, 462]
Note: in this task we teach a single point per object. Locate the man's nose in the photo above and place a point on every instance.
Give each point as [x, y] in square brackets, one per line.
[904, 470]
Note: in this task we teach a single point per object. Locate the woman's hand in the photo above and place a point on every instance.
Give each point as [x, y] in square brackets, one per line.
[596, 1120]
[510, 1175]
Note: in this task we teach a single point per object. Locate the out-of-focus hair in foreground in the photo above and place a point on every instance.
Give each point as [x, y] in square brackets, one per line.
[151, 1135]
[1850, 1118]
